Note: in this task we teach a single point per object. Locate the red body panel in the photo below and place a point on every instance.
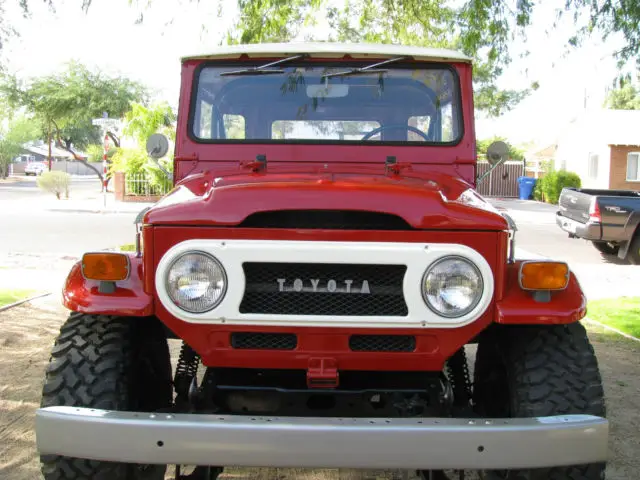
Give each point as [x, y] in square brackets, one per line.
[217, 190]
[458, 160]
[424, 203]
[129, 299]
[519, 308]
[433, 346]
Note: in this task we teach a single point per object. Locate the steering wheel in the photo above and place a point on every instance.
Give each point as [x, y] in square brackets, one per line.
[395, 127]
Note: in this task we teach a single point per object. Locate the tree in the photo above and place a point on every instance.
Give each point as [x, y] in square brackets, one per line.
[140, 123]
[482, 29]
[626, 97]
[65, 104]
[20, 131]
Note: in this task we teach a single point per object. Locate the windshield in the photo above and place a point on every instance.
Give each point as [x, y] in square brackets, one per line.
[333, 104]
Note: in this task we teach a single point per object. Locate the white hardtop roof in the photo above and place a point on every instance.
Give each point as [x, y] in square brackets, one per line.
[332, 50]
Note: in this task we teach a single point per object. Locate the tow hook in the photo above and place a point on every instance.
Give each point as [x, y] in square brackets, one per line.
[322, 373]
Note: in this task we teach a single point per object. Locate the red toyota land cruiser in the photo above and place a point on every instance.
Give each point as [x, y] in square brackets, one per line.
[326, 262]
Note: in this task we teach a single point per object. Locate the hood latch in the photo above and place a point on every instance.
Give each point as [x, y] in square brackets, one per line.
[258, 165]
[392, 167]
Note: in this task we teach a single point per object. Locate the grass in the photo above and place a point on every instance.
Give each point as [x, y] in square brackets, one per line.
[10, 296]
[621, 313]
[128, 247]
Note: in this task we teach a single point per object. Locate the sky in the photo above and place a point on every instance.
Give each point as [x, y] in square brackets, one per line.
[108, 37]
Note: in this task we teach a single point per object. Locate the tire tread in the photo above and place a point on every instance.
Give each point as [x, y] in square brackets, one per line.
[550, 370]
[91, 365]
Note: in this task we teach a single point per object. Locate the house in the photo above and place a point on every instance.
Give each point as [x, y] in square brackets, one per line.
[603, 148]
[39, 152]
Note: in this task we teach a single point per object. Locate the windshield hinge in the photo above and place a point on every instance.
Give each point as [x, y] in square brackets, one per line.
[392, 167]
[257, 165]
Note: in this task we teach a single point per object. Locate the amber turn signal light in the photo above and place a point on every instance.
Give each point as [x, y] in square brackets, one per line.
[544, 275]
[107, 267]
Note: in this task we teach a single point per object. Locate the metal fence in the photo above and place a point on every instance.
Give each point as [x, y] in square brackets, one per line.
[141, 184]
[502, 181]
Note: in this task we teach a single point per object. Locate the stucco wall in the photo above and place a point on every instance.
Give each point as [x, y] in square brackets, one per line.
[575, 146]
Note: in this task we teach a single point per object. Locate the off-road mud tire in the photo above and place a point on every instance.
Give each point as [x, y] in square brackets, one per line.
[531, 371]
[606, 248]
[634, 250]
[111, 363]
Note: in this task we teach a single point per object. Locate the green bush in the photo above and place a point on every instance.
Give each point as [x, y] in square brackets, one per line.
[55, 182]
[142, 175]
[537, 190]
[95, 153]
[549, 187]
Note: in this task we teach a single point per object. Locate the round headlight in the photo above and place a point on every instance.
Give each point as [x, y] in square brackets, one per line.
[196, 282]
[452, 287]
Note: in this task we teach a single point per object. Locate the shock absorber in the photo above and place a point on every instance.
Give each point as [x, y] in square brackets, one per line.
[458, 375]
[186, 371]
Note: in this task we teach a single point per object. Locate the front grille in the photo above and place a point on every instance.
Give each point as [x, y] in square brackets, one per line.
[264, 341]
[382, 343]
[324, 289]
[326, 220]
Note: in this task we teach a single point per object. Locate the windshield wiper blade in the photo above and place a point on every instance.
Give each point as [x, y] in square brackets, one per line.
[365, 70]
[264, 69]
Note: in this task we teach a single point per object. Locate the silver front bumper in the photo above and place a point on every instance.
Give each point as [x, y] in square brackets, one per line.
[227, 440]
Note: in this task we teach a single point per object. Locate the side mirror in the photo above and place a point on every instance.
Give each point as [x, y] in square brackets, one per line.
[157, 146]
[497, 153]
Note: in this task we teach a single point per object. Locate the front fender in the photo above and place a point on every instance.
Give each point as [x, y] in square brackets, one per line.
[129, 298]
[518, 307]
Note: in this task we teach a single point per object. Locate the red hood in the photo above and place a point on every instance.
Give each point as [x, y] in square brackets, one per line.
[432, 201]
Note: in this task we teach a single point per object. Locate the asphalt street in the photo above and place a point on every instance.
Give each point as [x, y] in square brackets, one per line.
[30, 222]
[538, 234]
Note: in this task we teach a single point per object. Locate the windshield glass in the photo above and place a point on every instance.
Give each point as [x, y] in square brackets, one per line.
[311, 103]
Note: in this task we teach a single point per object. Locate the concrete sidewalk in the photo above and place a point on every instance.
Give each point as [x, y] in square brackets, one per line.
[97, 205]
[92, 203]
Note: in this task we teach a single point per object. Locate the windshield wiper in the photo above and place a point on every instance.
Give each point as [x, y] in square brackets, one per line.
[364, 70]
[263, 69]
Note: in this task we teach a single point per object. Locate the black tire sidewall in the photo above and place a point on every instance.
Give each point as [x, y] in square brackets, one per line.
[507, 362]
[606, 248]
[634, 250]
[110, 363]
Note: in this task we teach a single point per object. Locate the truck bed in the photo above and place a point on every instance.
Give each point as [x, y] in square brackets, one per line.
[601, 215]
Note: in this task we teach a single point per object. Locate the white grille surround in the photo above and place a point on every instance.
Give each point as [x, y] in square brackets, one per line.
[416, 256]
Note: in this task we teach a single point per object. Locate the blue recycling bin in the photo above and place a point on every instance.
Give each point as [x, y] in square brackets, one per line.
[525, 187]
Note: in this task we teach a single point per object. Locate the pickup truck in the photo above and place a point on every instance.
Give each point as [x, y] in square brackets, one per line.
[610, 219]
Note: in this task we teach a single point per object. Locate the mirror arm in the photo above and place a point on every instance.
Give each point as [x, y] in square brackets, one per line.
[491, 168]
[167, 173]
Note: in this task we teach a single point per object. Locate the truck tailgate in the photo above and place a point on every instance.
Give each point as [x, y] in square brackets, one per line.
[575, 205]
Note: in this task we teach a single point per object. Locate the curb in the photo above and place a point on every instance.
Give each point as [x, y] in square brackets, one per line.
[88, 210]
[20, 302]
[615, 330]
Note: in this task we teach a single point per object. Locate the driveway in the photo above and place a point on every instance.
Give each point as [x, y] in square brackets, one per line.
[539, 236]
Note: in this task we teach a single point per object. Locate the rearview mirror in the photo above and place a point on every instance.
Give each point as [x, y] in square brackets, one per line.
[327, 91]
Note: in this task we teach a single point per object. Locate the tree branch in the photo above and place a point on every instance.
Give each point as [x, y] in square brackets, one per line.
[115, 139]
[76, 157]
